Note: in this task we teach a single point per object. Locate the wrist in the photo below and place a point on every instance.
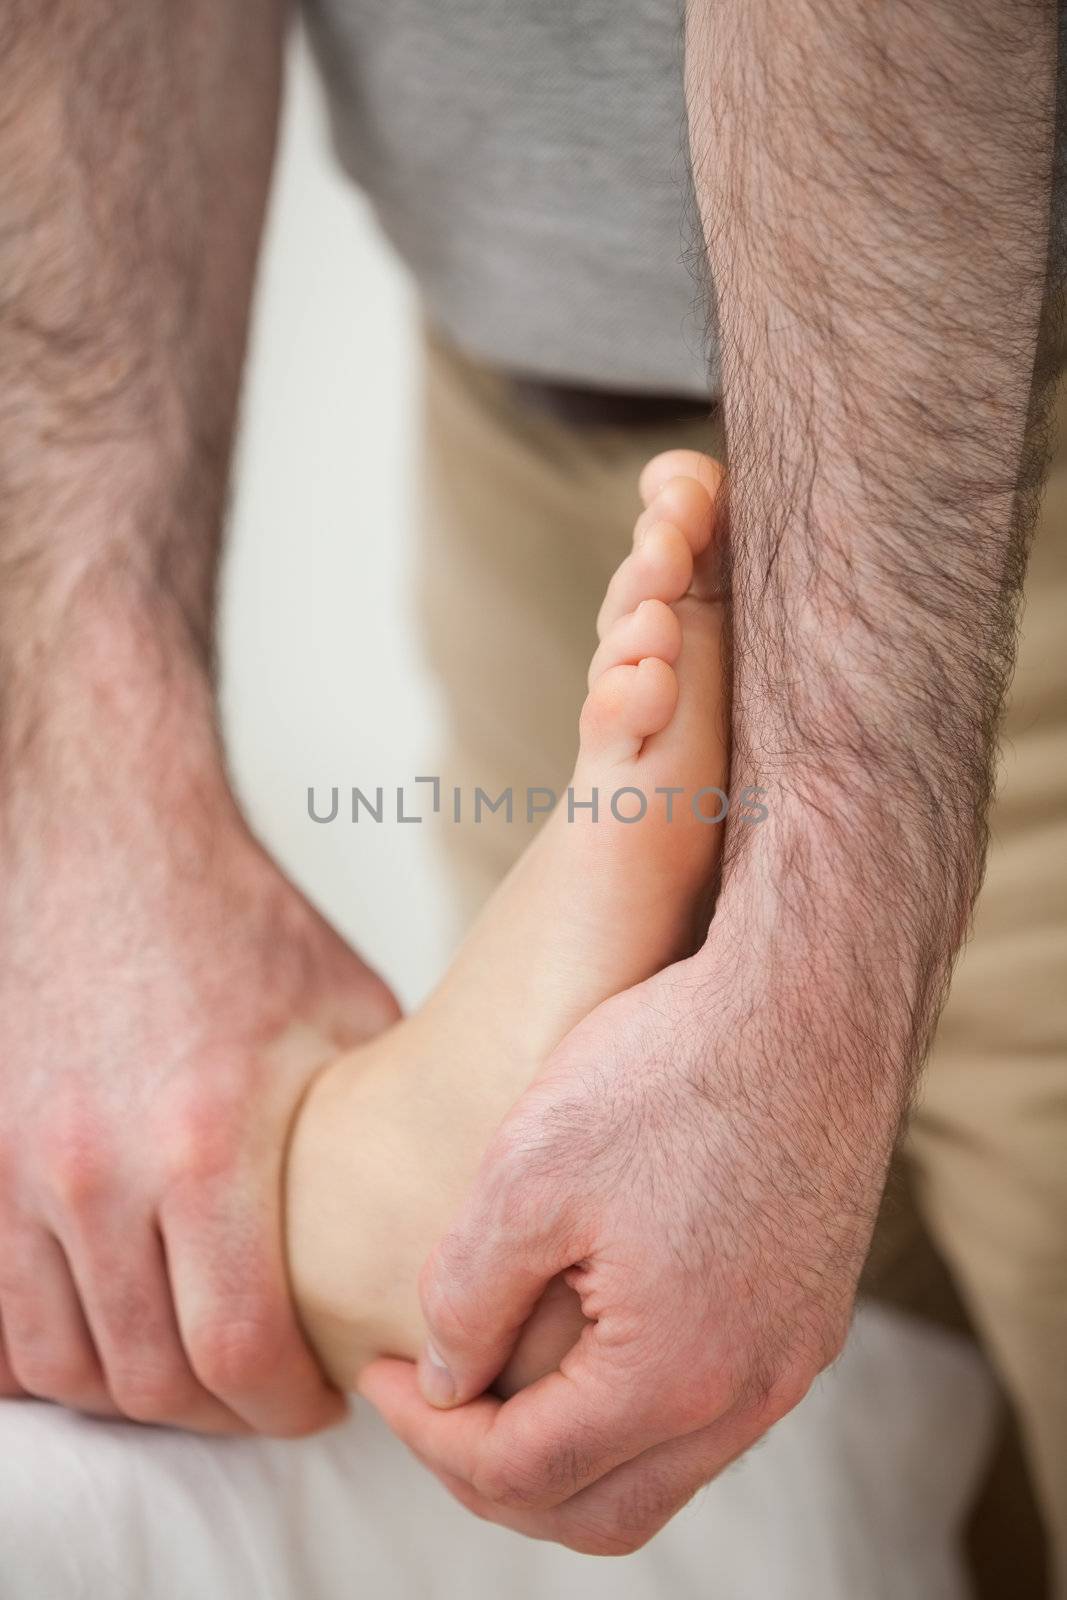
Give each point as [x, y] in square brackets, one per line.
[106, 693]
[878, 845]
[835, 931]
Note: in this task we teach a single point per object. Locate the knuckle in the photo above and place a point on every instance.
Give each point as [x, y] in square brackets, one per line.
[832, 1345]
[787, 1393]
[439, 1292]
[466, 1496]
[160, 1396]
[522, 1137]
[688, 1389]
[510, 1483]
[773, 1394]
[562, 1465]
[54, 1373]
[610, 1540]
[16, 1271]
[711, 1395]
[640, 1506]
[521, 1195]
[779, 1392]
[74, 1164]
[303, 1424]
[537, 1473]
[236, 1354]
[201, 1135]
[512, 1159]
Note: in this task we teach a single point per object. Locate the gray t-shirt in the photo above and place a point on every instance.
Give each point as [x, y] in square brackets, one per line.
[527, 158]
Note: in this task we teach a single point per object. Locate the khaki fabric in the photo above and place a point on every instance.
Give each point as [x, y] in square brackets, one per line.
[524, 519]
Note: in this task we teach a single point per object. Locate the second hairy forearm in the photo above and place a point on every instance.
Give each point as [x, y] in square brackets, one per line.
[874, 184]
[135, 147]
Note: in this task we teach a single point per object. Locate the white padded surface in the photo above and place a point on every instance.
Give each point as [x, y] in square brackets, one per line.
[858, 1493]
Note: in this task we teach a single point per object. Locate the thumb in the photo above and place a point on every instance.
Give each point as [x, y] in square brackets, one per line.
[478, 1290]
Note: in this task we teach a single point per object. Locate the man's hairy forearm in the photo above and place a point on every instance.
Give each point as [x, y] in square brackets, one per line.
[874, 183]
[135, 149]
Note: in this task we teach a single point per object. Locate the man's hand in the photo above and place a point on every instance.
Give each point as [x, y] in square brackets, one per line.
[712, 1225]
[165, 995]
[704, 1156]
[164, 992]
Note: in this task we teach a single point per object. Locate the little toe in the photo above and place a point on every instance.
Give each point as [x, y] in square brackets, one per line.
[626, 705]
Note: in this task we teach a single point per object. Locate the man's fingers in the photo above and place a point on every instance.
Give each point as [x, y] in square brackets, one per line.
[48, 1348]
[121, 1279]
[537, 1449]
[481, 1284]
[629, 1506]
[436, 1436]
[474, 1318]
[235, 1310]
[10, 1387]
[614, 1515]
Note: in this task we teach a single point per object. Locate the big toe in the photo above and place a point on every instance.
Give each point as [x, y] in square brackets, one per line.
[669, 464]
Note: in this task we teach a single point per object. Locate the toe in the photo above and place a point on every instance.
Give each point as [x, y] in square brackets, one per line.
[626, 705]
[686, 503]
[651, 630]
[661, 568]
[680, 464]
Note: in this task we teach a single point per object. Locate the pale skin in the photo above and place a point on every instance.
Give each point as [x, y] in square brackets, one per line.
[390, 1136]
[874, 183]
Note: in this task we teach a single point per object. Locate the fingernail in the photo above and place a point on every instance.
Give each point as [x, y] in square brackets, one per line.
[435, 1380]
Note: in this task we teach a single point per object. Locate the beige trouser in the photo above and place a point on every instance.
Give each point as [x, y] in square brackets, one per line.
[524, 520]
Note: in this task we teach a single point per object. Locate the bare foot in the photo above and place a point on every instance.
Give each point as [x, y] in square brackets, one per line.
[390, 1135]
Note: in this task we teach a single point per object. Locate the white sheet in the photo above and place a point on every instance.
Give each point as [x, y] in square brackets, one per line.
[856, 1496]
